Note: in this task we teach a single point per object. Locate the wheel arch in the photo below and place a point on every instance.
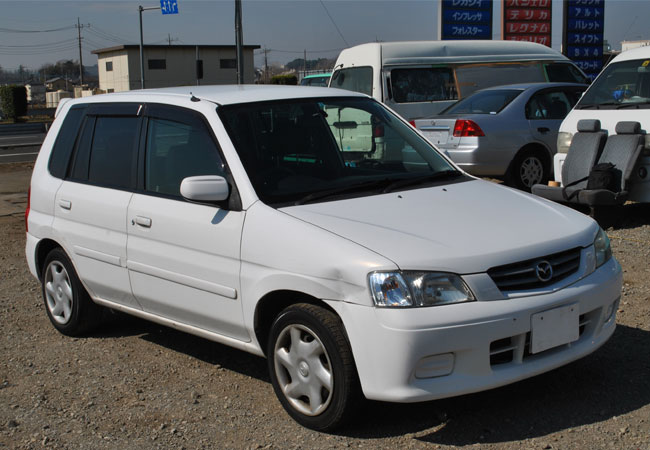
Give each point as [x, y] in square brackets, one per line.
[272, 303]
[44, 247]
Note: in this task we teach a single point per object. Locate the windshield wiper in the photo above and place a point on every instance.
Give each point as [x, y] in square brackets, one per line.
[631, 105]
[412, 181]
[364, 186]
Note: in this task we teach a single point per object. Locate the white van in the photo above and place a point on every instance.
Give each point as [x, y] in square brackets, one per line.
[620, 93]
[421, 78]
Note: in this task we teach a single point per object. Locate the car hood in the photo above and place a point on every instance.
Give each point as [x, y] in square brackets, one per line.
[465, 227]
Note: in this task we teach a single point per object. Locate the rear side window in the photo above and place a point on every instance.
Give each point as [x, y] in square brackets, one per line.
[473, 77]
[176, 150]
[58, 164]
[357, 79]
[106, 154]
[112, 154]
[550, 105]
[423, 85]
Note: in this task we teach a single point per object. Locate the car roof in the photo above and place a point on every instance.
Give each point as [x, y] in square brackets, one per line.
[539, 85]
[222, 94]
[634, 53]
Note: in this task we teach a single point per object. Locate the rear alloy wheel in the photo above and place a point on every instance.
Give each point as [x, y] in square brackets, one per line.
[311, 366]
[528, 168]
[67, 303]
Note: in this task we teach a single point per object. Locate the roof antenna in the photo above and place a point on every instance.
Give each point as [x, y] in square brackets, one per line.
[193, 98]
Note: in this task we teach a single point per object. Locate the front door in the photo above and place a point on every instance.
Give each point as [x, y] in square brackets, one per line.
[183, 257]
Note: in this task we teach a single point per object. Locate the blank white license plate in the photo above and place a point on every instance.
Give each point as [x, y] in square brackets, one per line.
[554, 327]
[437, 137]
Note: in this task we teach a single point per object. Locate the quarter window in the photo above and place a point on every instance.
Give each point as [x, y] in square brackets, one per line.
[175, 151]
[60, 156]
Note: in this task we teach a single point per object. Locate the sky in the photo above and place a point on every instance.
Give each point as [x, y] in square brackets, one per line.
[287, 28]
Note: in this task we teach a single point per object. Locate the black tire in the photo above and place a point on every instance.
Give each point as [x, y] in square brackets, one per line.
[530, 167]
[68, 305]
[327, 405]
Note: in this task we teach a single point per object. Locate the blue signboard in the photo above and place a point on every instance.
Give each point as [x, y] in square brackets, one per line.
[584, 24]
[466, 19]
[169, 6]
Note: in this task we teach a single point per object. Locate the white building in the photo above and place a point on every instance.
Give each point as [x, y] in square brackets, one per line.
[629, 45]
[170, 65]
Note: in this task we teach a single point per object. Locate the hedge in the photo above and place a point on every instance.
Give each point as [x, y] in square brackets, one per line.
[284, 79]
[13, 101]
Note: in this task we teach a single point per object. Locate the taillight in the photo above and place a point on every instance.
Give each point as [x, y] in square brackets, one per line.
[412, 122]
[378, 131]
[467, 128]
[29, 196]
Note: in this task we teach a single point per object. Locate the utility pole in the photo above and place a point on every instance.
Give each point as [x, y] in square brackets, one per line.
[304, 65]
[266, 66]
[81, 65]
[239, 38]
[140, 9]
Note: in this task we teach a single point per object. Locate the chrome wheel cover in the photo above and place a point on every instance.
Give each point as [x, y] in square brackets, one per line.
[303, 370]
[58, 292]
[531, 171]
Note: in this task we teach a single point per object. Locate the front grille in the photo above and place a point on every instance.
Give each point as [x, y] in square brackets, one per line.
[523, 275]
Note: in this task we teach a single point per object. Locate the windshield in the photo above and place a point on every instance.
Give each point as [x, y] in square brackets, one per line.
[621, 85]
[484, 102]
[296, 151]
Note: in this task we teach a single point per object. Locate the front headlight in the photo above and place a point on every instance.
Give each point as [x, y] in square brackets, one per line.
[405, 289]
[602, 248]
[564, 141]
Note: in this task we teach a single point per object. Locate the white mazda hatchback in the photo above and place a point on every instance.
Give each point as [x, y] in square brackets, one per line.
[317, 228]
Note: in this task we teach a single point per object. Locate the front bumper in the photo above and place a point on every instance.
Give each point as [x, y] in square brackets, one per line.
[420, 354]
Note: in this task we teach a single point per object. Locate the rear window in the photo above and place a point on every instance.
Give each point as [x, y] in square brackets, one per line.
[423, 85]
[485, 102]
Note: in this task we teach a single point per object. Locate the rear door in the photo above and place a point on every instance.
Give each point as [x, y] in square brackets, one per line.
[184, 257]
[92, 202]
[545, 112]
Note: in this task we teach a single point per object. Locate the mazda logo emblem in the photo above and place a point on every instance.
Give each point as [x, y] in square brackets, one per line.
[544, 271]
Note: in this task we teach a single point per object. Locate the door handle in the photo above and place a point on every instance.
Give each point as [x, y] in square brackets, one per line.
[65, 204]
[543, 129]
[142, 221]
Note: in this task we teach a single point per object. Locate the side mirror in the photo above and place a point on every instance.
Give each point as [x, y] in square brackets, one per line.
[205, 188]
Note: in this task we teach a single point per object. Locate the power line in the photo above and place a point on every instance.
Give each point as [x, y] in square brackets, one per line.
[11, 30]
[335, 25]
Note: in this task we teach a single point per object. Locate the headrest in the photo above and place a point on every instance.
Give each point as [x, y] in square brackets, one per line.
[628, 128]
[589, 125]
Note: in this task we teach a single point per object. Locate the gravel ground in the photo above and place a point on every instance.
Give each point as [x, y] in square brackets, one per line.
[137, 385]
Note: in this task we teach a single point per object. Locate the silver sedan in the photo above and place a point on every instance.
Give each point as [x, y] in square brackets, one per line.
[507, 132]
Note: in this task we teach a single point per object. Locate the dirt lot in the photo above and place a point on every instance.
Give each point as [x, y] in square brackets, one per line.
[136, 385]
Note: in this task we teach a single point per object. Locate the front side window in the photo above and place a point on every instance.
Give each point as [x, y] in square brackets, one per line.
[112, 152]
[549, 105]
[175, 151]
[624, 84]
[484, 102]
[300, 151]
[357, 79]
[423, 85]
